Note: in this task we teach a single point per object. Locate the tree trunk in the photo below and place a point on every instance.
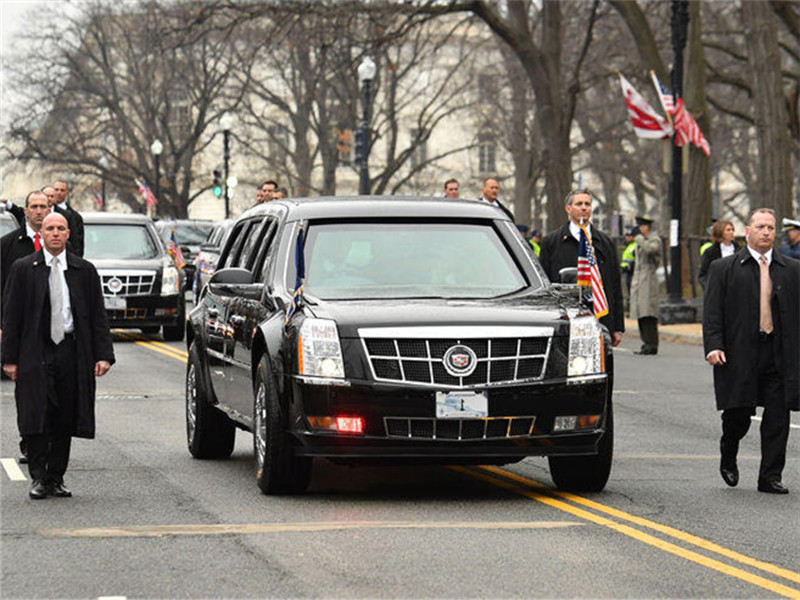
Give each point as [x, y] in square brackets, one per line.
[774, 188]
[697, 191]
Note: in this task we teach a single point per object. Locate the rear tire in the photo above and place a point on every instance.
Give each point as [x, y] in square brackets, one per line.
[278, 470]
[209, 431]
[586, 473]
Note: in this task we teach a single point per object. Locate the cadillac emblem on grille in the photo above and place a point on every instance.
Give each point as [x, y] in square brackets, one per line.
[114, 285]
[460, 360]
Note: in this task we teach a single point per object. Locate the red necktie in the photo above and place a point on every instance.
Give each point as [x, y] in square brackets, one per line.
[37, 243]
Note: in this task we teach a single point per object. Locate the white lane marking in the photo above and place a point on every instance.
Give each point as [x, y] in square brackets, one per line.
[12, 469]
[792, 425]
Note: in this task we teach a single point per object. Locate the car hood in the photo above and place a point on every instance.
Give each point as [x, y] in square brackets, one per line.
[150, 264]
[538, 309]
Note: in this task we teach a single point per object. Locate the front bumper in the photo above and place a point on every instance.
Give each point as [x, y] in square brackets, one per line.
[520, 421]
[147, 311]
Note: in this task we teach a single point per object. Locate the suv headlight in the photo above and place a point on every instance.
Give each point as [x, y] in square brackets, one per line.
[170, 280]
[319, 352]
[585, 347]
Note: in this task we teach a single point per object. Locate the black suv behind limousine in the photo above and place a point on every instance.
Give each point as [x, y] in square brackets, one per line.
[141, 286]
[377, 330]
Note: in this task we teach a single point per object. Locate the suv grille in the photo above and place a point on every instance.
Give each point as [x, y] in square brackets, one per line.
[459, 429]
[421, 361]
[127, 283]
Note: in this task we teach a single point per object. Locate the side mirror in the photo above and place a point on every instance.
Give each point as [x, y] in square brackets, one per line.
[568, 275]
[235, 282]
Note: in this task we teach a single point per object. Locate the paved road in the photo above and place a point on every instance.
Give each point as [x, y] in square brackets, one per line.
[149, 521]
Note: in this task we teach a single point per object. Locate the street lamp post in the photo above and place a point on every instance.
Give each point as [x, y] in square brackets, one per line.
[157, 148]
[366, 73]
[676, 310]
[226, 121]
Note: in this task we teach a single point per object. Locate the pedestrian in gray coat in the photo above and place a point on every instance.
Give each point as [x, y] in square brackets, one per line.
[644, 297]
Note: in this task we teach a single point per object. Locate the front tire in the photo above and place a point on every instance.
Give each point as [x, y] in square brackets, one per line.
[586, 473]
[278, 470]
[209, 431]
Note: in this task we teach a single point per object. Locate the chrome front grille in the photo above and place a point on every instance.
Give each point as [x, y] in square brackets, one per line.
[459, 429]
[127, 283]
[499, 360]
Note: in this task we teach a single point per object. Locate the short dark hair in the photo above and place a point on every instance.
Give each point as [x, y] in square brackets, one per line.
[270, 181]
[449, 181]
[34, 192]
[491, 177]
[282, 190]
[576, 192]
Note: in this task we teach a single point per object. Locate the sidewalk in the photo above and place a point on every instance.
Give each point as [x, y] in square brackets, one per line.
[682, 333]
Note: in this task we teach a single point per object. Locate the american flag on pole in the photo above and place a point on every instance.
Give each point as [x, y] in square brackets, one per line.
[687, 130]
[589, 274]
[145, 191]
[647, 123]
[175, 251]
[664, 95]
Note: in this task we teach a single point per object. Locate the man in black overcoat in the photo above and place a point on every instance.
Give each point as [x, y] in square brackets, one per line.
[22, 242]
[56, 340]
[751, 335]
[73, 217]
[559, 249]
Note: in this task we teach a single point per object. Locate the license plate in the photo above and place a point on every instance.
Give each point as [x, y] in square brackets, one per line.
[115, 303]
[461, 405]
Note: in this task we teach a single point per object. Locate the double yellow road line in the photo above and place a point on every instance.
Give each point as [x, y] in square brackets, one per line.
[638, 528]
[152, 345]
[572, 504]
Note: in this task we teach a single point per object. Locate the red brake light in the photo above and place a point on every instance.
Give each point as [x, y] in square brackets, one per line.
[350, 424]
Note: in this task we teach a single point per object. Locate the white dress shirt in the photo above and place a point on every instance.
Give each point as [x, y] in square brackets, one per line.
[66, 306]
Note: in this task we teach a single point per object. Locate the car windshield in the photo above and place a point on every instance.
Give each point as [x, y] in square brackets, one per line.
[118, 241]
[188, 235]
[408, 260]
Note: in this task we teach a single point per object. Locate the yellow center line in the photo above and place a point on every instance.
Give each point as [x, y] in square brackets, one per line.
[169, 352]
[665, 529]
[249, 528]
[641, 536]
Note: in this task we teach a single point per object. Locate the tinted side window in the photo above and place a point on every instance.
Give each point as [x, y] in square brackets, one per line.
[261, 264]
[252, 237]
[237, 238]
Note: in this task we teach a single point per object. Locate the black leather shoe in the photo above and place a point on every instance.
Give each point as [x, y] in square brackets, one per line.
[727, 465]
[23, 459]
[59, 490]
[772, 487]
[646, 352]
[39, 490]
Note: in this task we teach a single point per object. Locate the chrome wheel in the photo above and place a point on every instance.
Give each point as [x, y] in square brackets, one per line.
[191, 402]
[260, 425]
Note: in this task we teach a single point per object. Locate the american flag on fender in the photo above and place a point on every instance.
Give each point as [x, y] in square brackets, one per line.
[145, 191]
[175, 251]
[589, 275]
[647, 123]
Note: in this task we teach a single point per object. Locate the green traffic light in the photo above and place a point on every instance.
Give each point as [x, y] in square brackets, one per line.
[217, 191]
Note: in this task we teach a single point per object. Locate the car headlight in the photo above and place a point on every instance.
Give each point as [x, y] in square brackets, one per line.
[319, 352]
[170, 281]
[585, 347]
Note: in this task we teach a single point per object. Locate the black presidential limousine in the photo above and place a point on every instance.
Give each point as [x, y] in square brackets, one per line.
[378, 330]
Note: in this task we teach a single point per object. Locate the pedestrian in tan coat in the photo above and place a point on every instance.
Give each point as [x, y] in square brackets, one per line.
[644, 299]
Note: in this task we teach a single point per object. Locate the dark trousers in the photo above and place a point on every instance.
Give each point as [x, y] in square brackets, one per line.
[774, 422]
[48, 453]
[648, 331]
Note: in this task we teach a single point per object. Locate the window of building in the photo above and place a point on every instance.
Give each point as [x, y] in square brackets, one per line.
[487, 149]
[420, 154]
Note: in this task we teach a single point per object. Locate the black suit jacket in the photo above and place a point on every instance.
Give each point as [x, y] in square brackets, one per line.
[75, 224]
[26, 331]
[13, 245]
[731, 321]
[559, 249]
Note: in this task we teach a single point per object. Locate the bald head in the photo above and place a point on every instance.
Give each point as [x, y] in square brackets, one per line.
[55, 233]
[50, 192]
